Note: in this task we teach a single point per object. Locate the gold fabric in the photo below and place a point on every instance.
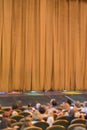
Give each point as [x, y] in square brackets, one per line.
[43, 45]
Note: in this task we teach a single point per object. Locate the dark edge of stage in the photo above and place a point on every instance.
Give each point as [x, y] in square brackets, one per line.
[43, 97]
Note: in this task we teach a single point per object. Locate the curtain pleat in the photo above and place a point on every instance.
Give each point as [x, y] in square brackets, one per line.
[43, 45]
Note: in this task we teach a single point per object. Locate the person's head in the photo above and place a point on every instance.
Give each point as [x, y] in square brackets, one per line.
[53, 102]
[28, 118]
[78, 104]
[19, 103]
[27, 122]
[71, 113]
[85, 103]
[42, 109]
[7, 112]
[14, 106]
[29, 105]
[38, 106]
[69, 102]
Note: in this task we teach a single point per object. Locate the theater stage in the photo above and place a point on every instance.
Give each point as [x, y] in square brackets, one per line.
[7, 99]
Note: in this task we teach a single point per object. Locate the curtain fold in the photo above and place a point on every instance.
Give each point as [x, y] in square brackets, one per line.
[43, 45]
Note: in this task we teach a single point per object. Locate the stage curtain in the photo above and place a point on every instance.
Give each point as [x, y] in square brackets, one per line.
[43, 45]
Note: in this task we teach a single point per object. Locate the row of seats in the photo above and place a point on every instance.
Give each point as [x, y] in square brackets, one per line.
[57, 125]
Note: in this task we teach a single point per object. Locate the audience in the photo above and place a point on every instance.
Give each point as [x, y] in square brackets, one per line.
[50, 118]
[44, 112]
[27, 122]
[3, 122]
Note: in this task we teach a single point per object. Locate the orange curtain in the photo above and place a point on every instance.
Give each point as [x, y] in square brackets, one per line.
[43, 45]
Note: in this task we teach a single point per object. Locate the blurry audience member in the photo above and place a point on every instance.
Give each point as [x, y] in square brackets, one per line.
[50, 118]
[3, 122]
[27, 122]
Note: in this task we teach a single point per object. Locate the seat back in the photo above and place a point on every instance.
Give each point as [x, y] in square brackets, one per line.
[41, 124]
[13, 121]
[56, 127]
[32, 128]
[78, 120]
[19, 124]
[64, 123]
[24, 113]
[79, 126]
[68, 118]
[63, 117]
[17, 118]
[8, 129]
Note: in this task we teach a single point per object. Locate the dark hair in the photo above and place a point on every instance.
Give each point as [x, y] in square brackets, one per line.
[14, 106]
[29, 105]
[42, 109]
[54, 103]
[69, 102]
